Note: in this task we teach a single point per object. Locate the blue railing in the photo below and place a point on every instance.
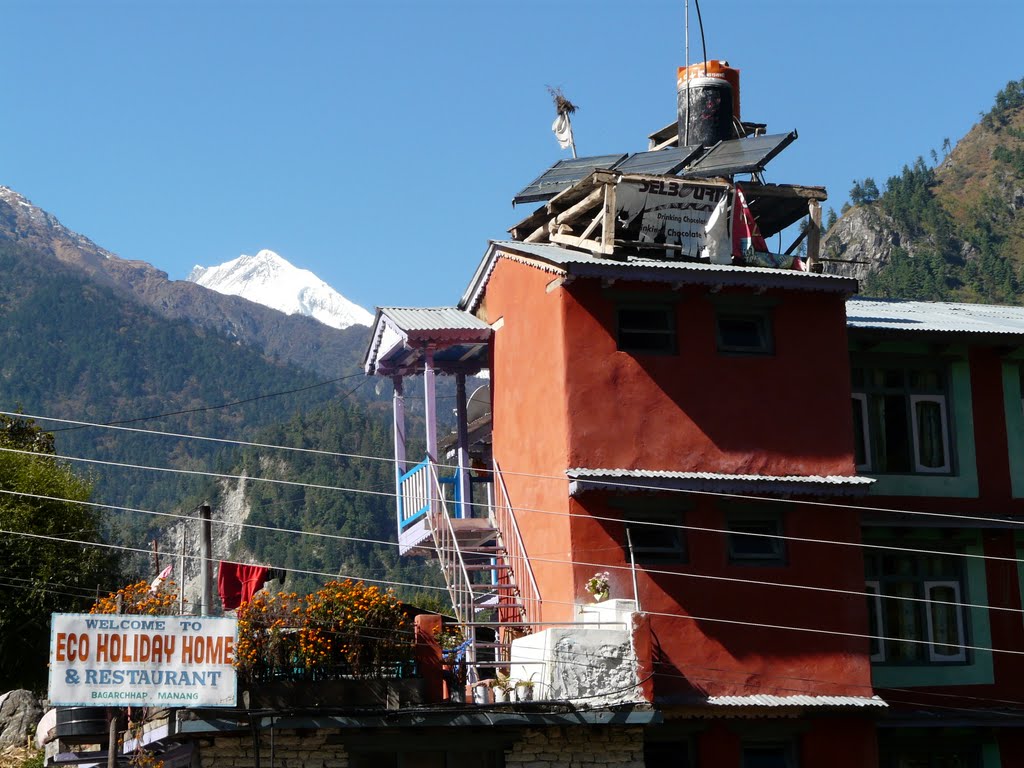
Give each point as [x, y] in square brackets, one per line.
[414, 494]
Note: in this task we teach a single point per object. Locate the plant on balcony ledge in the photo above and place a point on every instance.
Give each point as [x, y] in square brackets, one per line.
[344, 630]
[598, 586]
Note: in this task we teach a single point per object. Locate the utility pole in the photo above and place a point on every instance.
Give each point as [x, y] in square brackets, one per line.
[205, 554]
[181, 569]
[112, 714]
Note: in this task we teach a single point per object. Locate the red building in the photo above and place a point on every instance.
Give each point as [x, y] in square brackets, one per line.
[807, 588]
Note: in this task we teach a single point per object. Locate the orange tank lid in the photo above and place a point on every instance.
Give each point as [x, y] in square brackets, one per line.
[716, 70]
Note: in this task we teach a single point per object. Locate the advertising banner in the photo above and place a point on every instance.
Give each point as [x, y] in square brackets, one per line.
[668, 212]
[114, 660]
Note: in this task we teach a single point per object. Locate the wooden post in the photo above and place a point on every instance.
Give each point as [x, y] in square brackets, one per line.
[205, 561]
[156, 557]
[814, 236]
[112, 714]
[465, 486]
[398, 420]
[608, 225]
[181, 568]
[112, 739]
[430, 403]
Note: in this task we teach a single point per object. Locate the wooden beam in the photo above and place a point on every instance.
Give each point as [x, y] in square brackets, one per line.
[608, 218]
[581, 207]
[796, 243]
[578, 242]
[537, 235]
[752, 189]
[814, 236]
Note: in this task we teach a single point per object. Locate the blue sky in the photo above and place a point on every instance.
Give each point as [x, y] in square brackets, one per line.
[379, 144]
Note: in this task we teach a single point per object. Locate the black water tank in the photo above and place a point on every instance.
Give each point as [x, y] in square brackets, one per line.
[82, 725]
[707, 119]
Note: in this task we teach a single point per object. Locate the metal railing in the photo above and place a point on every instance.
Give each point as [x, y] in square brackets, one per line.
[520, 572]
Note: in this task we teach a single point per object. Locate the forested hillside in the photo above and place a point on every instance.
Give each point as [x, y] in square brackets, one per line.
[949, 230]
[340, 526]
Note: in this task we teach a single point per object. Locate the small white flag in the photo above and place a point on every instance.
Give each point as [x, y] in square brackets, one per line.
[562, 125]
[563, 131]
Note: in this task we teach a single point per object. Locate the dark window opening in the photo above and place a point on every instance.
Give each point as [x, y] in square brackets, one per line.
[756, 541]
[744, 333]
[667, 754]
[646, 329]
[768, 756]
[655, 536]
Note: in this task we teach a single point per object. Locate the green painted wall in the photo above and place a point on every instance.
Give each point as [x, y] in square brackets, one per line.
[1014, 426]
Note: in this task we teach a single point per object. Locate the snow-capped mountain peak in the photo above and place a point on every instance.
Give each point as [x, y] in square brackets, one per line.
[274, 282]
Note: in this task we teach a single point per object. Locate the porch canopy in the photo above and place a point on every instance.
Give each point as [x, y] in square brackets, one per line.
[402, 339]
[408, 342]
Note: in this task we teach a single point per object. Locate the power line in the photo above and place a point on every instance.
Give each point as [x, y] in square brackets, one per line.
[686, 617]
[587, 516]
[561, 479]
[220, 440]
[557, 561]
[125, 548]
[226, 405]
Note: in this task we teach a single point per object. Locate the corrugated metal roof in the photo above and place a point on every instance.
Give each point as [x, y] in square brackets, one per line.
[567, 257]
[434, 319]
[578, 263]
[660, 474]
[797, 701]
[648, 480]
[945, 317]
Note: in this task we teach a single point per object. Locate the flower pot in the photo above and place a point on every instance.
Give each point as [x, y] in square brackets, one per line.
[482, 694]
[599, 596]
[501, 695]
[524, 693]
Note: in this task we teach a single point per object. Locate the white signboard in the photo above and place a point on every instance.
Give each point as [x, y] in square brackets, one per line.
[142, 661]
[666, 211]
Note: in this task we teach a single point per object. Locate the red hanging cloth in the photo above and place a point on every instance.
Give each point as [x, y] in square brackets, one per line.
[237, 583]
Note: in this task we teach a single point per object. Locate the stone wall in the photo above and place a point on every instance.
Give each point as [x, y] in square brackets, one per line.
[578, 748]
[291, 750]
[554, 747]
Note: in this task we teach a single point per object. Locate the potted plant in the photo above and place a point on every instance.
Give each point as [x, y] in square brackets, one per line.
[598, 585]
[524, 689]
[502, 687]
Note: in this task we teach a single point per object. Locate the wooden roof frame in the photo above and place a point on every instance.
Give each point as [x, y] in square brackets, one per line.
[583, 216]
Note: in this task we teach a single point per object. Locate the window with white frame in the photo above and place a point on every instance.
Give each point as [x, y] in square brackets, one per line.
[901, 419]
[916, 607]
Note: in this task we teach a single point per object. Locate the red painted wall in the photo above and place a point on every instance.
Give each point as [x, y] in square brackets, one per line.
[530, 433]
[702, 614]
[565, 397]
[700, 409]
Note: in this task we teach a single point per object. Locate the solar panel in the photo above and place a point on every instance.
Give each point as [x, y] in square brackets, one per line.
[662, 162]
[748, 155]
[563, 175]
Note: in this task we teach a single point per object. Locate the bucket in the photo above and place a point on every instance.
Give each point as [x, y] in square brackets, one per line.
[82, 725]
